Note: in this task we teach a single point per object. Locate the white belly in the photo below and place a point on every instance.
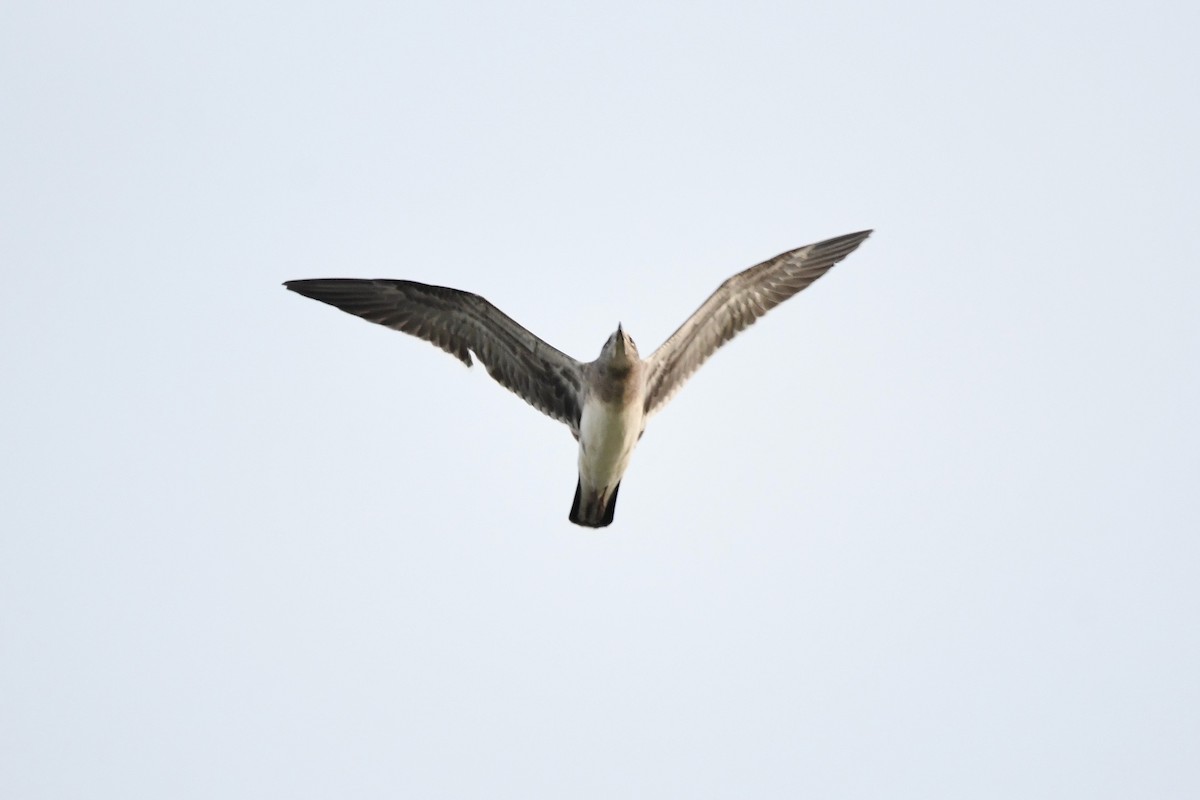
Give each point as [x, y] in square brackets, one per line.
[607, 436]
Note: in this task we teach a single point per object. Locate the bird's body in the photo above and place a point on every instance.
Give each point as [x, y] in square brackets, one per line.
[610, 423]
[607, 402]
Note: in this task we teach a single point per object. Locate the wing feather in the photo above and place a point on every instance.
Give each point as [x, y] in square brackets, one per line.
[734, 306]
[461, 323]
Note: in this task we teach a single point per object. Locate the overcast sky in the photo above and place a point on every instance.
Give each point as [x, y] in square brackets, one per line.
[930, 529]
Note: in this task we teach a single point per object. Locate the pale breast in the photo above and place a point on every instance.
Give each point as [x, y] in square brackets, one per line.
[607, 436]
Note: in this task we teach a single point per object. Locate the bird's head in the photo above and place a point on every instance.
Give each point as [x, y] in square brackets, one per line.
[619, 350]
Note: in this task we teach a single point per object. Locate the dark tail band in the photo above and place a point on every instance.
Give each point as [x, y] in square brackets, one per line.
[596, 509]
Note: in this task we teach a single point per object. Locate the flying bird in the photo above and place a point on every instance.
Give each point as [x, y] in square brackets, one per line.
[605, 402]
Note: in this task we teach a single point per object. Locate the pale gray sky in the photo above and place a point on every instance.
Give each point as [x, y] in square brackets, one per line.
[928, 530]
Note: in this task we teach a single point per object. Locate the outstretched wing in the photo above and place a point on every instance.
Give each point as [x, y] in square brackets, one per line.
[734, 306]
[459, 323]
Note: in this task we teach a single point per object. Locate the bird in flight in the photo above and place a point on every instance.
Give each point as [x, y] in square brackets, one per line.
[605, 402]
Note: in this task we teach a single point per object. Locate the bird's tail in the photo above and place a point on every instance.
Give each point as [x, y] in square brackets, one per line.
[595, 507]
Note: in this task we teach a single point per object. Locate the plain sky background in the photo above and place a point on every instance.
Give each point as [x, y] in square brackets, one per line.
[930, 529]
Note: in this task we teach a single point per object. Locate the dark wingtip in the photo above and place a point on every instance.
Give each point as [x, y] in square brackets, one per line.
[319, 288]
[298, 286]
[848, 241]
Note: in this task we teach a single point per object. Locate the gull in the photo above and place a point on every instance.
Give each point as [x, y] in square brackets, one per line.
[607, 402]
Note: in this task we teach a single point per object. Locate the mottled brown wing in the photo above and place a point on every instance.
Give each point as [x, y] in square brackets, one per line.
[734, 306]
[460, 323]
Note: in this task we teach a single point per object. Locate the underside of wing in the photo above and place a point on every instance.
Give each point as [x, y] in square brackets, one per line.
[461, 323]
[734, 306]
